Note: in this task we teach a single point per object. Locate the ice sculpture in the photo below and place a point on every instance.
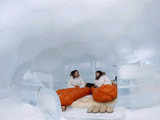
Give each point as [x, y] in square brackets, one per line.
[49, 103]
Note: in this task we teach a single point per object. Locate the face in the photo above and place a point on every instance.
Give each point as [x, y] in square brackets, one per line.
[97, 74]
[76, 74]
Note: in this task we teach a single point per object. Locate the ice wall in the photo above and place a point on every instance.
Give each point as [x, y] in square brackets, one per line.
[139, 85]
[52, 36]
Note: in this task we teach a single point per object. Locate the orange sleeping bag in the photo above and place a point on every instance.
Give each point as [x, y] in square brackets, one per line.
[105, 93]
[69, 95]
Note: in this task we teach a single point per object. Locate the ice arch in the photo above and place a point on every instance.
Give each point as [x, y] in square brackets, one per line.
[52, 36]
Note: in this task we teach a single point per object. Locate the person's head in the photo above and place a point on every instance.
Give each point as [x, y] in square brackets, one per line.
[99, 74]
[75, 74]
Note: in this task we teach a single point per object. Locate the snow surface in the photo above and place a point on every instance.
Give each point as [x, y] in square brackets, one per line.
[152, 113]
[12, 110]
[121, 114]
[81, 114]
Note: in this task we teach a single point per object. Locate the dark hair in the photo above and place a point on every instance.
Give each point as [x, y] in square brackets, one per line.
[73, 72]
[101, 74]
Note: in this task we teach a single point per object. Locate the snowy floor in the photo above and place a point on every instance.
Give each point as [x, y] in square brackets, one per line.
[141, 114]
[71, 114]
[144, 114]
[11, 110]
[14, 110]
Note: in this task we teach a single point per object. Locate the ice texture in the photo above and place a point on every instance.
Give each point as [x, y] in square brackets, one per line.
[47, 39]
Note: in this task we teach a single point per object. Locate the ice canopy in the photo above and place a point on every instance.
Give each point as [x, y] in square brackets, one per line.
[52, 37]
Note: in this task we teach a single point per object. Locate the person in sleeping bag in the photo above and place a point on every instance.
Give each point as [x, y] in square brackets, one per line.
[104, 90]
[75, 90]
[75, 80]
[101, 79]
